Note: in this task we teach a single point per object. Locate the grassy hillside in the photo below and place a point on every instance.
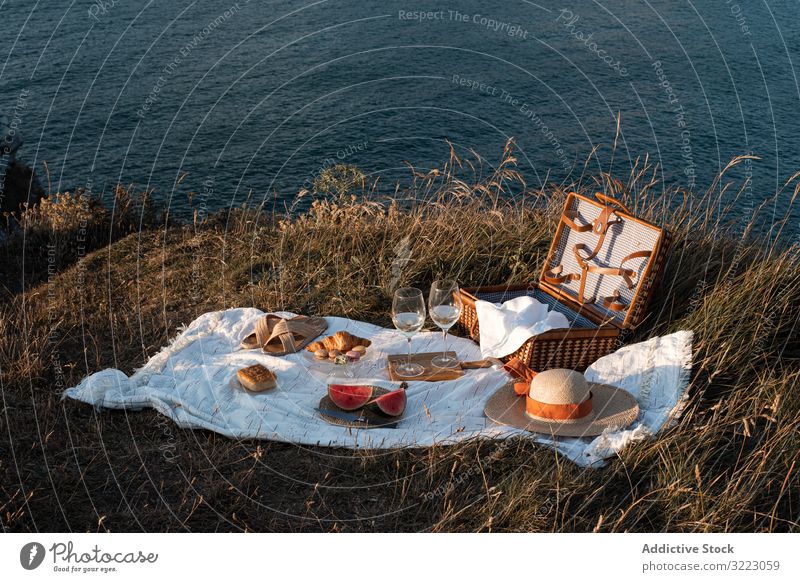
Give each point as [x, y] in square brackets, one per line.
[729, 464]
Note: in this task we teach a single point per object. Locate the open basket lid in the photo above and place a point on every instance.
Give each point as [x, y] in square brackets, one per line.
[604, 259]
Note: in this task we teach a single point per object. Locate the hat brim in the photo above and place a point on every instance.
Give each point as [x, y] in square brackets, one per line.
[611, 408]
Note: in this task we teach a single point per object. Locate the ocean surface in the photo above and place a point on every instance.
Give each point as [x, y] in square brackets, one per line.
[260, 96]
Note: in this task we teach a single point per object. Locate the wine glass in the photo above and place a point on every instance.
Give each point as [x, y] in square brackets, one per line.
[444, 304]
[408, 315]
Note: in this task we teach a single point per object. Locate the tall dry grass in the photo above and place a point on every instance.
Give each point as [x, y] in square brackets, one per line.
[728, 464]
[48, 236]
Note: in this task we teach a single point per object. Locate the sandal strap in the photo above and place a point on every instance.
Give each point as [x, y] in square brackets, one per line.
[287, 329]
[263, 329]
[284, 329]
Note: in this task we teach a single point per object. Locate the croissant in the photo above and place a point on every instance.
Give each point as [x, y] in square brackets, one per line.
[341, 340]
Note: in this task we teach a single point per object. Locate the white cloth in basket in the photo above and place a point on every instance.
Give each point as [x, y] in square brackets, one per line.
[505, 327]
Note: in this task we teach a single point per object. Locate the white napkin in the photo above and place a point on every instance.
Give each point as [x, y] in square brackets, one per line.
[504, 328]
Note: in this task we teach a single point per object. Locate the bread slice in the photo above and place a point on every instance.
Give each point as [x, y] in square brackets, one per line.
[257, 378]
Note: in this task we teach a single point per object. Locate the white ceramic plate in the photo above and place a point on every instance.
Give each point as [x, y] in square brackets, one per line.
[326, 366]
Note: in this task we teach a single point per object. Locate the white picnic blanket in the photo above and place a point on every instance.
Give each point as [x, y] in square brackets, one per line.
[193, 382]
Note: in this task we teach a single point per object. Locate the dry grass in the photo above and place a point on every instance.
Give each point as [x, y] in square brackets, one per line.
[61, 228]
[729, 464]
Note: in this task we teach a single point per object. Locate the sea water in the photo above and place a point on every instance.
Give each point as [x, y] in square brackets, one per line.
[210, 100]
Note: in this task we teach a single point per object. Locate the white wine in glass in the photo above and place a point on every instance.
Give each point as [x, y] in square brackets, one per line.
[408, 315]
[444, 303]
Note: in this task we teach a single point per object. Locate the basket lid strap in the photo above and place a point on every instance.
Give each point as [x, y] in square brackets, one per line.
[554, 276]
[569, 216]
[627, 274]
[600, 227]
[612, 201]
[615, 302]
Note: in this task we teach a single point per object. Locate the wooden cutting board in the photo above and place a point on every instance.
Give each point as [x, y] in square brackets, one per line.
[431, 372]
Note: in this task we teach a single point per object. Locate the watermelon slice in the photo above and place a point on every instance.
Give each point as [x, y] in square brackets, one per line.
[391, 404]
[349, 397]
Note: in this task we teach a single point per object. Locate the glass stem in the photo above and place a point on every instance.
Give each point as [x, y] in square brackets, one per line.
[408, 358]
[444, 340]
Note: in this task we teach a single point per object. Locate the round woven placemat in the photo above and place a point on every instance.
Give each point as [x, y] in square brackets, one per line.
[371, 418]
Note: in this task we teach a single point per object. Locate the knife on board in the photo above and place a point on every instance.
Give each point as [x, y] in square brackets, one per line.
[479, 364]
[350, 417]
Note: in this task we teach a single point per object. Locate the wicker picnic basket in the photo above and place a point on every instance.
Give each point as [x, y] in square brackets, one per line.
[600, 272]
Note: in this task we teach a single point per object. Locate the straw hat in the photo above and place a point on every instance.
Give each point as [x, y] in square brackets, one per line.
[562, 403]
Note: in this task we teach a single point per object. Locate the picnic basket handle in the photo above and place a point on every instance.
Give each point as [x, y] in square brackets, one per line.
[612, 202]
